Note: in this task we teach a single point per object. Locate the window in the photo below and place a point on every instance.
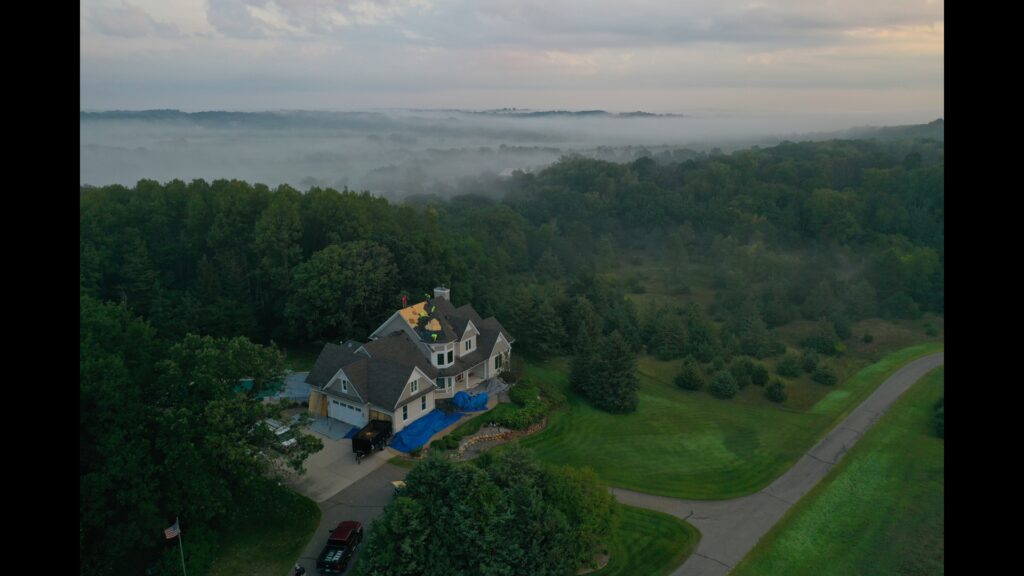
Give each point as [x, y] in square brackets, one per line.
[451, 356]
[415, 386]
[423, 403]
[440, 359]
[469, 345]
[344, 385]
[497, 362]
[443, 383]
[405, 412]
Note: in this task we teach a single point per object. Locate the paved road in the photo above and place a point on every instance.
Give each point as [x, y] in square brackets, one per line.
[730, 528]
[362, 501]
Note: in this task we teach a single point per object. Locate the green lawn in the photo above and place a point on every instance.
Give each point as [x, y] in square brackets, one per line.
[649, 543]
[879, 512]
[691, 445]
[271, 540]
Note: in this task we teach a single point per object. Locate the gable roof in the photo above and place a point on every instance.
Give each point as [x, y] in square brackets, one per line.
[378, 381]
[330, 360]
[489, 330]
[399, 347]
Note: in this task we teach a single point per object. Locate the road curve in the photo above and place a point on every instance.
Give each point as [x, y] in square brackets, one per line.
[730, 528]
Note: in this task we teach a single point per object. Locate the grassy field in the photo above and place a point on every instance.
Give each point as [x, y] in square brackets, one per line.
[691, 445]
[880, 511]
[269, 544]
[649, 543]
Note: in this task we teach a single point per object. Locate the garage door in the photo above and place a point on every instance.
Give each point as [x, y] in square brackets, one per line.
[346, 412]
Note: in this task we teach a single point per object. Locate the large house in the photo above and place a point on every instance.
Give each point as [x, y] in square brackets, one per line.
[423, 352]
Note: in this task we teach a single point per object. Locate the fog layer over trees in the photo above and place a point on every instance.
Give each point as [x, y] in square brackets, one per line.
[397, 153]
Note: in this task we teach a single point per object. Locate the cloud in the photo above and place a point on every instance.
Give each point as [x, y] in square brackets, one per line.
[130, 21]
[599, 53]
[304, 18]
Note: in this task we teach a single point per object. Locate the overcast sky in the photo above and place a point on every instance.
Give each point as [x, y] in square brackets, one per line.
[876, 61]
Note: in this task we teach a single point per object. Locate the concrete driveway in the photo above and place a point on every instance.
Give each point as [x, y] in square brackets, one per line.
[361, 501]
[731, 528]
[334, 468]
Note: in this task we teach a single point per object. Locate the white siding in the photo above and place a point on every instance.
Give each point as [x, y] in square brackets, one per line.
[415, 412]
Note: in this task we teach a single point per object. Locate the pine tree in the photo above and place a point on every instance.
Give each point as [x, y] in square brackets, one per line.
[583, 367]
[616, 390]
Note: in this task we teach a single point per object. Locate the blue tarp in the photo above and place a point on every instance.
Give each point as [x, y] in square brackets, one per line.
[463, 401]
[419, 432]
[352, 432]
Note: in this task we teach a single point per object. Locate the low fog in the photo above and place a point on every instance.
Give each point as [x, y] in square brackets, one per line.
[396, 153]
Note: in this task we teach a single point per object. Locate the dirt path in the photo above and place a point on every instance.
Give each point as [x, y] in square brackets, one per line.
[731, 528]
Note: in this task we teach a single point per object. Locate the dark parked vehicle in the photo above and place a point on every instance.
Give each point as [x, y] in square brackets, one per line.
[374, 436]
[341, 544]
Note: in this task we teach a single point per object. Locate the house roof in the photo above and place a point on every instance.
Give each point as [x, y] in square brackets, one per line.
[380, 369]
[463, 363]
[398, 347]
[489, 330]
[330, 360]
[379, 381]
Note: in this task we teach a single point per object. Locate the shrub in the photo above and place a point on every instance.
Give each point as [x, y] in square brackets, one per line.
[868, 337]
[823, 341]
[824, 375]
[788, 366]
[723, 385]
[940, 417]
[741, 368]
[523, 392]
[705, 352]
[930, 330]
[415, 452]
[842, 327]
[689, 377]
[809, 361]
[551, 394]
[758, 374]
[776, 391]
[718, 363]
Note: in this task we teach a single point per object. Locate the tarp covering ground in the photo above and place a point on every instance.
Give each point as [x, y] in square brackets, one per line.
[419, 432]
[463, 401]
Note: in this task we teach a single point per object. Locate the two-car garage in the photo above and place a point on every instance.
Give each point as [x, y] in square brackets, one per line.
[346, 412]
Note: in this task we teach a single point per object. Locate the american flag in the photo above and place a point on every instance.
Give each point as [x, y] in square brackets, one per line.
[172, 531]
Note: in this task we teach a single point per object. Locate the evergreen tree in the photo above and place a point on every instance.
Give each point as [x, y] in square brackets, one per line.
[689, 377]
[546, 330]
[776, 391]
[584, 366]
[617, 384]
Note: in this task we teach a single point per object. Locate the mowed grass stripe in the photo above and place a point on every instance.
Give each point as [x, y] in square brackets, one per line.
[649, 543]
[689, 444]
[881, 511]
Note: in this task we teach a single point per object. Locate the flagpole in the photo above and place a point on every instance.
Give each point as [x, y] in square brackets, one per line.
[181, 547]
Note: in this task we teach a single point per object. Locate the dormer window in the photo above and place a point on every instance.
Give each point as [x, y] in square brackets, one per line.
[440, 359]
[451, 356]
[344, 385]
[415, 386]
[469, 345]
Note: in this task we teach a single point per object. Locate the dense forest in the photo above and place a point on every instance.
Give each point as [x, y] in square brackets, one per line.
[841, 230]
[175, 275]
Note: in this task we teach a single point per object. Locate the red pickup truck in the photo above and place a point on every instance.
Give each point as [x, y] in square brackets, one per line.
[341, 544]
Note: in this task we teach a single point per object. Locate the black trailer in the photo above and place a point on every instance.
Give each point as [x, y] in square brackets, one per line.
[374, 436]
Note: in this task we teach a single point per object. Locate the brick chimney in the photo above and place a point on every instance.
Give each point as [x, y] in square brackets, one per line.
[442, 292]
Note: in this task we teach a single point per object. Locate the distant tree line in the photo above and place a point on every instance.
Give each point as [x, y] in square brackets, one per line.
[840, 230]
